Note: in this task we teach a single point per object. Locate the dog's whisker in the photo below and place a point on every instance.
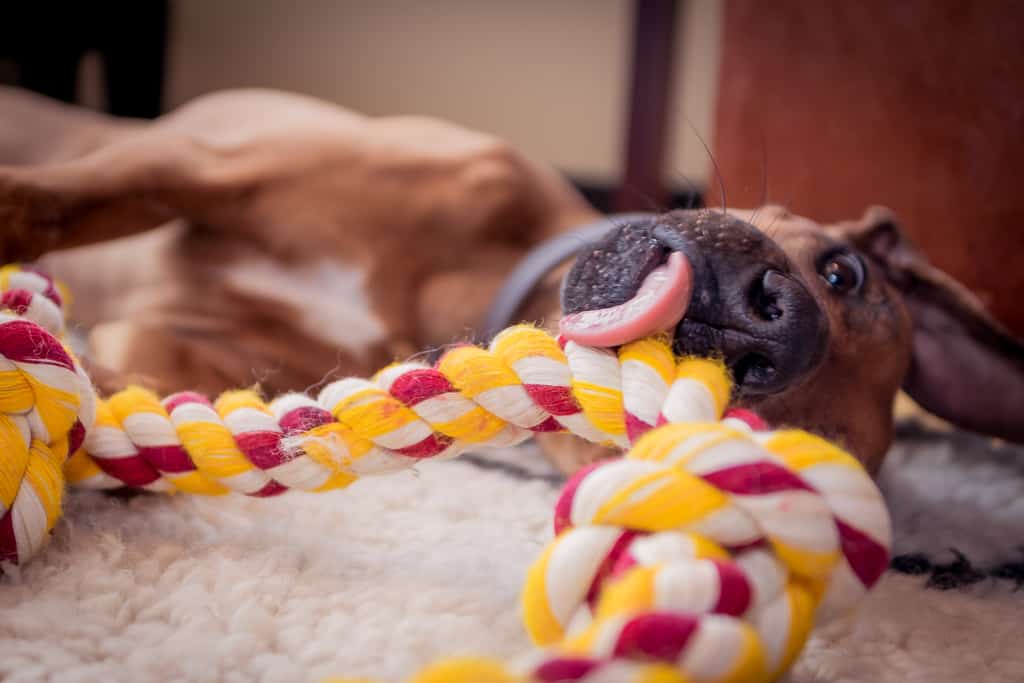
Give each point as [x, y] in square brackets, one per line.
[764, 177]
[714, 163]
[651, 202]
[694, 200]
[768, 229]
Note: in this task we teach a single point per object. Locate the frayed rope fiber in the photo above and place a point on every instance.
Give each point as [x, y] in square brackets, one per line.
[706, 553]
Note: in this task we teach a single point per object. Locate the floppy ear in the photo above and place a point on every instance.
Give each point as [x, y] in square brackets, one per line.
[965, 367]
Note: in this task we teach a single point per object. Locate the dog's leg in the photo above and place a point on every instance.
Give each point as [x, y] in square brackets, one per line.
[37, 130]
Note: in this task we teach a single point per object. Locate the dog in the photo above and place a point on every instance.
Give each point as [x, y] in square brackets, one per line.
[262, 237]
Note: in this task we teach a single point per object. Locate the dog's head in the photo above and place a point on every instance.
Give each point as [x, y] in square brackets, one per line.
[820, 325]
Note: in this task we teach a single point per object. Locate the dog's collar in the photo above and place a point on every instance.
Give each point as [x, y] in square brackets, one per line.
[540, 261]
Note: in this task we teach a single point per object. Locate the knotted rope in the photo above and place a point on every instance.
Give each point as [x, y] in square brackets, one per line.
[704, 554]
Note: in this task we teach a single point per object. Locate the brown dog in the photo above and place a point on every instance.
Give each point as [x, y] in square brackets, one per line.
[288, 238]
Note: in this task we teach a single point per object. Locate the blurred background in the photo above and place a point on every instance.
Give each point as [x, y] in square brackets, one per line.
[824, 106]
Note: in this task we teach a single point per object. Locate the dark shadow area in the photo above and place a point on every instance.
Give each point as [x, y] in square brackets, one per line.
[42, 45]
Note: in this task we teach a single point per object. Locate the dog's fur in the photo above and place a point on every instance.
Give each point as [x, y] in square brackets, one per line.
[276, 239]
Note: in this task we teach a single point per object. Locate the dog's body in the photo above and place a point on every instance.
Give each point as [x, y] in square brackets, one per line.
[276, 239]
[298, 237]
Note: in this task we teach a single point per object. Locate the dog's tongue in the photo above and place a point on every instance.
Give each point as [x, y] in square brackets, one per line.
[659, 304]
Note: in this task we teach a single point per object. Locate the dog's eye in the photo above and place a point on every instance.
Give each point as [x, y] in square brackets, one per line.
[842, 272]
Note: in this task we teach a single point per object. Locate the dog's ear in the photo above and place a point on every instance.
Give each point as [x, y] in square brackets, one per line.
[965, 367]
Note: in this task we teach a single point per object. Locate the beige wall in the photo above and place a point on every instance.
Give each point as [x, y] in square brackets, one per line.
[550, 76]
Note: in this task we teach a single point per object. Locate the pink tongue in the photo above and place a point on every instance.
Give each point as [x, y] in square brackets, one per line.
[660, 304]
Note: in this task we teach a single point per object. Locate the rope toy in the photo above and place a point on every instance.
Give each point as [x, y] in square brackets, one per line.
[705, 554]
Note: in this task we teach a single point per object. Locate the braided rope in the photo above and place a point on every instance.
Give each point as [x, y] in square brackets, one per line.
[706, 553]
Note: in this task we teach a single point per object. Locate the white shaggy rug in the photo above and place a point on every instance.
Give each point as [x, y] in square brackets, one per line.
[379, 579]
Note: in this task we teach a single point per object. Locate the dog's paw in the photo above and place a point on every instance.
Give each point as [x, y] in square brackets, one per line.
[30, 219]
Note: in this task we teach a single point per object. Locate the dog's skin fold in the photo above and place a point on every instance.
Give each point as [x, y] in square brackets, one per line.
[271, 238]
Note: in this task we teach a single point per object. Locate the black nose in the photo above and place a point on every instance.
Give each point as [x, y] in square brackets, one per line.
[773, 331]
[749, 305]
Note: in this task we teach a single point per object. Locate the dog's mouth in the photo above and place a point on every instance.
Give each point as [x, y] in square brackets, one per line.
[659, 303]
[718, 286]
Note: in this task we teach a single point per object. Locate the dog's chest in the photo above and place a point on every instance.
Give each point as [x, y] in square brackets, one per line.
[325, 299]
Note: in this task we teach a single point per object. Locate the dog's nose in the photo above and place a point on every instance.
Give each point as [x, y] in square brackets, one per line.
[774, 332]
[749, 305]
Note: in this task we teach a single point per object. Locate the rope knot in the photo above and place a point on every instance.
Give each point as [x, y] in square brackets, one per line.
[709, 547]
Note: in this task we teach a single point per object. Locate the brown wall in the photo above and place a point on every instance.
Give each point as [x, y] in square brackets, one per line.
[917, 105]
